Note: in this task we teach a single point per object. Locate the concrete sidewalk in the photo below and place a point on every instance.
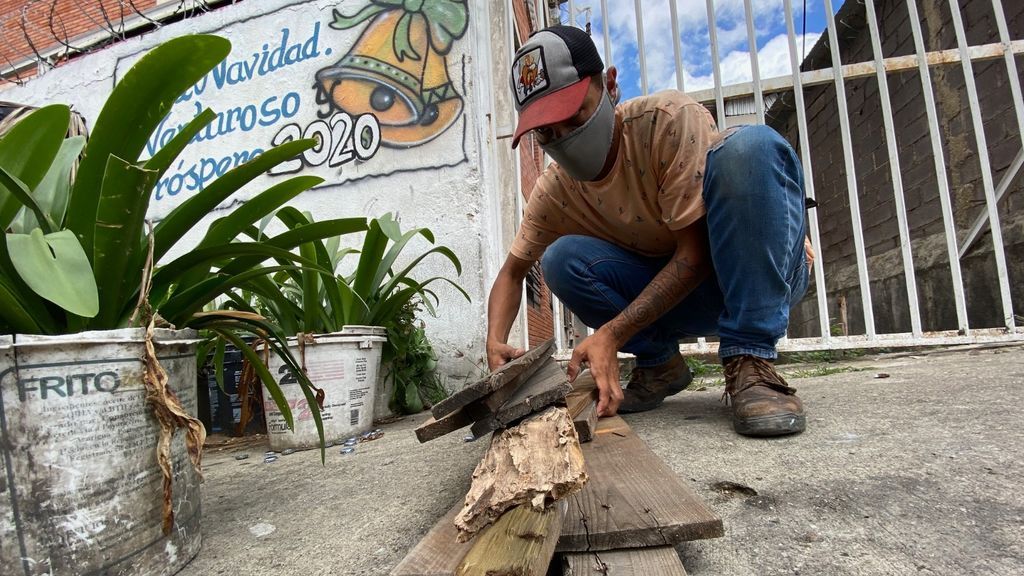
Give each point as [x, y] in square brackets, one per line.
[917, 473]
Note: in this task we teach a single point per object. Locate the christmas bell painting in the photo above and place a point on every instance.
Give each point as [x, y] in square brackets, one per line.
[398, 69]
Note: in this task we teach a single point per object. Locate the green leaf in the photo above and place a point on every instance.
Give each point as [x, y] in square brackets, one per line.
[132, 112]
[27, 151]
[164, 157]
[117, 241]
[14, 313]
[184, 303]
[223, 230]
[21, 194]
[183, 218]
[226, 331]
[204, 258]
[369, 260]
[404, 274]
[413, 403]
[52, 193]
[55, 267]
[218, 364]
[293, 238]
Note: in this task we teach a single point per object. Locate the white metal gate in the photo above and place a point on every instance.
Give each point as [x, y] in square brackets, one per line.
[755, 93]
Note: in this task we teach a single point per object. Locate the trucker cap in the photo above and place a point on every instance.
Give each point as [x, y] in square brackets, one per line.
[550, 76]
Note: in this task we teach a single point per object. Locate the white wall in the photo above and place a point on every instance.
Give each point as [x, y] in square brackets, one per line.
[451, 180]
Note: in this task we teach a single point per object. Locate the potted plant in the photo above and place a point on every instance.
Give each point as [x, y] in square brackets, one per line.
[97, 366]
[340, 323]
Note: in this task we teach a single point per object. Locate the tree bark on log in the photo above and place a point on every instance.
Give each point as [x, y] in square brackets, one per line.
[536, 462]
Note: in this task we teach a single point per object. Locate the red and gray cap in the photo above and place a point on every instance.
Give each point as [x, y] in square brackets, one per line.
[550, 76]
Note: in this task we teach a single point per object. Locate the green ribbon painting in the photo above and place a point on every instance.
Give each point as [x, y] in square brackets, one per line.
[446, 22]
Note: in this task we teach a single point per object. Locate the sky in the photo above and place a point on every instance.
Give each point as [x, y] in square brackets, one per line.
[733, 43]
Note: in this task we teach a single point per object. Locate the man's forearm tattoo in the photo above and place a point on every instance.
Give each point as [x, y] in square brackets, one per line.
[668, 288]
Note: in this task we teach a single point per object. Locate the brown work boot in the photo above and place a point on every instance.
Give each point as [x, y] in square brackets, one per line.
[648, 387]
[762, 403]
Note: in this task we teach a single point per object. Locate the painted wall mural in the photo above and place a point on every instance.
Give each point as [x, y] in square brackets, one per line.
[398, 85]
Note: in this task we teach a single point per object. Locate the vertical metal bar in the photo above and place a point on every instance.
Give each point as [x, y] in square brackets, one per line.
[754, 68]
[604, 27]
[894, 169]
[986, 168]
[572, 13]
[940, 167]
[716, 69]
[851, 175]
[1011, 65]
[539, 11]
[1018, 105]
[677, 44]
[805, 156]
[556, 321]
[640, 45]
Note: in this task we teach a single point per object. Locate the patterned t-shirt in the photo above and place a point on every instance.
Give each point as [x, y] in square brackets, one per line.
[653, 189]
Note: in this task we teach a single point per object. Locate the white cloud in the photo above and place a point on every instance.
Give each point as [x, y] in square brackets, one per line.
[731, 31]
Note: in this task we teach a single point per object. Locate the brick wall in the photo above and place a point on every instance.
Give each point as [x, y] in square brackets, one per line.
[30, 26]
[539, 316]
[872, 166]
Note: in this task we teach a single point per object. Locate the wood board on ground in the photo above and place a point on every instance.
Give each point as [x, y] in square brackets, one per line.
[632, 498]
[654, 561]
[522, 542]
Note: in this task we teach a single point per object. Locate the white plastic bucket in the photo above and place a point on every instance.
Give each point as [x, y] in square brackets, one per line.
[345, 366]
[80, 489]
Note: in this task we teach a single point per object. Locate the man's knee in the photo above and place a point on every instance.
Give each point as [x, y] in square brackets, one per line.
[753, 144]
[560, 261]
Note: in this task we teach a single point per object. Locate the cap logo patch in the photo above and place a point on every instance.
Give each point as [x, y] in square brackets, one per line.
[529, 75]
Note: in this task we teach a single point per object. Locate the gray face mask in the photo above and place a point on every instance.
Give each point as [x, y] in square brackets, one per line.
[582, 152]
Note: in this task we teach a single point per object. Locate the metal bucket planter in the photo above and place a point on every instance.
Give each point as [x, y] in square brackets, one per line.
[344, 365]
[80, 488]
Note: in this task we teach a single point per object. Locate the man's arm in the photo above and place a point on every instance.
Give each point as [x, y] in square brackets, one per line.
[688, 267]
[502, 309]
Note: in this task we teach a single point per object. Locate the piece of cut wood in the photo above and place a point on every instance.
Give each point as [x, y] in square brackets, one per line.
[656, 561]
[509, 375]
[537, 461]
[438, 553]
[632, 498]
[434, 428]
[582, 404]
[468, 414]
[521, 542]
[546, 387]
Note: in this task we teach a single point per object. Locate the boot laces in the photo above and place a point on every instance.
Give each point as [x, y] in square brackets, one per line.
[743, 372]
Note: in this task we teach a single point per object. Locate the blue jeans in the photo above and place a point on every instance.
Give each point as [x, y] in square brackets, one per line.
[754, 195]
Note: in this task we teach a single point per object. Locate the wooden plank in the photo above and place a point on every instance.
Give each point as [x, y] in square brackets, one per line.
[547, 386]
[434, 428]
[632, 499]
[656, 561]
[521, 542]
[462, 417]
[582, 403]
[438, 553]
[511, 374]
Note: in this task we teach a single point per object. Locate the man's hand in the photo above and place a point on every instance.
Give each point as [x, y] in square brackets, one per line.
[600, 351]
[499, 354]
